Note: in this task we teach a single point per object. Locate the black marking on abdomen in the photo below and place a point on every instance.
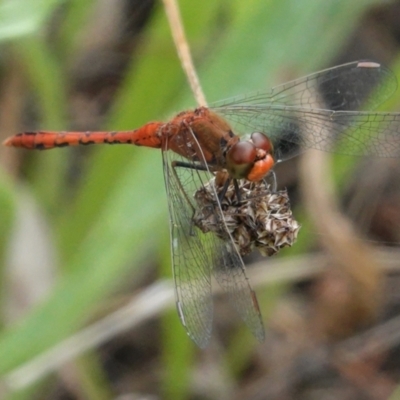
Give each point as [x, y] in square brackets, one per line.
[86, 143]
[108, 141]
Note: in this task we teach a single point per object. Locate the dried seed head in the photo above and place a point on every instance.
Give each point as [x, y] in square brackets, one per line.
[261, 220]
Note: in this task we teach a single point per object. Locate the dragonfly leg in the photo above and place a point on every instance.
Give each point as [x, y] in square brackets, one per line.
[271, 178]
[222, 194]
[183, 164]
[237, 191]
[197, 167]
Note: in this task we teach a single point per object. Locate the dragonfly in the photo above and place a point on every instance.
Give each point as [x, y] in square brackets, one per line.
[237, 142]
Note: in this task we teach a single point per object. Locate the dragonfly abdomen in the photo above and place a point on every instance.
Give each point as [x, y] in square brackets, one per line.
[43, 140]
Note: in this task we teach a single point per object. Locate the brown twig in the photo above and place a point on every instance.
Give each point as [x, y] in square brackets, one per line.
[178, 34]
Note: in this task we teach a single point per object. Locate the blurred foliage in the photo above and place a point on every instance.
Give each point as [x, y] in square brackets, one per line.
[117, 218]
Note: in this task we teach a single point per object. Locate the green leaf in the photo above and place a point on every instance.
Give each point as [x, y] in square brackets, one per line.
[24, 17]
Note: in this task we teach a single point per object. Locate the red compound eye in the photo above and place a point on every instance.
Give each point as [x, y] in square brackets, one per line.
[261, 141]
[240, 159]
[242, 153]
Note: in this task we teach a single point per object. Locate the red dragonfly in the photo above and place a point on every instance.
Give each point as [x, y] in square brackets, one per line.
[312, 112]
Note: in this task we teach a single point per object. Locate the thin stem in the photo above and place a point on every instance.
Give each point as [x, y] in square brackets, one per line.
[178, 34]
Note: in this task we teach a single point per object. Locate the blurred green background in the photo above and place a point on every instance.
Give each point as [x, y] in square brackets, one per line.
[94, 221]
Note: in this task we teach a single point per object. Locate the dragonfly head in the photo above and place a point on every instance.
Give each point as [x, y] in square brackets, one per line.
[251, 159]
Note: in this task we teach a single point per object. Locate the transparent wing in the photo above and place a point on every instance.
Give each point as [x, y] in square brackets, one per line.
[343, 87]
[229, 271]
[315, 111]
[293, 130]
[196, 254]
[191, 252]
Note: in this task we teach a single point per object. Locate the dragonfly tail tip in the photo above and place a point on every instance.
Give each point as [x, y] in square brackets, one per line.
[8, 142]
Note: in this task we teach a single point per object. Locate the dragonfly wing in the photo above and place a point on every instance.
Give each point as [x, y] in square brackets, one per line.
[191, 253]
[195, 254]
[355, 133]
[230, 273]
[314, 111]
[343, 87]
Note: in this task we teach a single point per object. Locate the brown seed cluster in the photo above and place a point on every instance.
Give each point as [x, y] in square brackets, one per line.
[261, 220]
